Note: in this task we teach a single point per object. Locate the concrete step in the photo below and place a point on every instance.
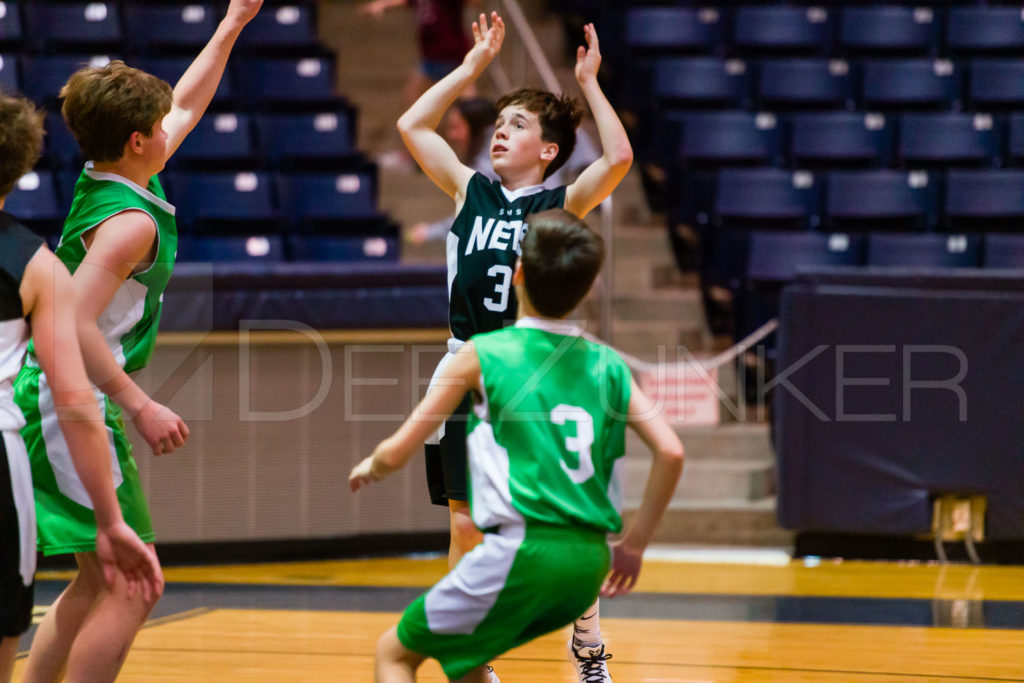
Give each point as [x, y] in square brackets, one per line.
[683, 305]
[644, 338]
[704, 480]
[730, 442]
[734, 523]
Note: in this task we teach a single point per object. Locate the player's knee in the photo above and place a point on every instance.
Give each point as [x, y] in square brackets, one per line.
[464, 531]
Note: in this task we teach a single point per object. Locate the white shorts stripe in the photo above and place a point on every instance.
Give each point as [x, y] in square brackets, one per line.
[24, 503]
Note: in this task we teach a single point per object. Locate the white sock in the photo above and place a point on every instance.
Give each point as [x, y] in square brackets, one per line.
[587, 629]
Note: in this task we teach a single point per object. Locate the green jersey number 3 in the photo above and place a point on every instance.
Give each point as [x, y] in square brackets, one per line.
[579, 444]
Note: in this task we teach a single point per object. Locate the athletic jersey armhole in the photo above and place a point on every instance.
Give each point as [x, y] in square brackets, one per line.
[465, 198]
[156, 231]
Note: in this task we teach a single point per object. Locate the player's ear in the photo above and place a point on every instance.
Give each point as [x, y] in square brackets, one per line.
[135, 142]
[517, 274]
[549, 151]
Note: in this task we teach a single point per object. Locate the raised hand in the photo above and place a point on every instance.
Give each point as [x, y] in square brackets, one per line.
[626, 561]
[120, 550]
[588, 59]
[161, 427]
[486, 41]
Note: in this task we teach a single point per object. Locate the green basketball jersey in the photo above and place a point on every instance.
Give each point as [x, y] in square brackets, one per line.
[130, 321]
[544, 440]
[129, 324]
[482, 248]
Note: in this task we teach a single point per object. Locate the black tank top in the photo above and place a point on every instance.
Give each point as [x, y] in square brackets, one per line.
[482, 248]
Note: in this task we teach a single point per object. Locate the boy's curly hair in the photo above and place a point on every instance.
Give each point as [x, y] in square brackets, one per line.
[21, 139]
[103, 106]
[559, 117]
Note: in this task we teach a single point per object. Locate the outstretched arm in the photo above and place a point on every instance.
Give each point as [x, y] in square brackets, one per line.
[375, 8]
[418, 125]
[627, 553]
[196, 87]
[48, 295]
[599, 179]
[117, 246]
[460, 375]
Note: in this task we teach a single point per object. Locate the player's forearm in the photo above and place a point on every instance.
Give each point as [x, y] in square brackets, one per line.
[429, 109]
[196, 87]
[616, 150]
[86, 437]
[105, 372]
[661, 485]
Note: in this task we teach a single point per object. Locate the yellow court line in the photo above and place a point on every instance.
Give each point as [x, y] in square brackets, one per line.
[828, 579]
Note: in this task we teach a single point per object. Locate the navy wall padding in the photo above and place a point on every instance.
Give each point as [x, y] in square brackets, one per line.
[204, 297]
[860, 475]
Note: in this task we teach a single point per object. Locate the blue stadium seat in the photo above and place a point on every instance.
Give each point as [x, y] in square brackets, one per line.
[304, 139]
[841, 138]
[881, 199]
[666, 30]
[10, 79]
[701, 81]
[977, 30]
[171, 68]
[11, 32]
[950, 139]
[1003, 251]
[923, 251]
[326, 202]
[42, 77]
[805, 83]
[889, 29]
[61, 146]
[290, 26]
[294, 82]
[984, 199]
[996, 83]
[226, 202]
[901, 83]
[1015, 139]
[777, 257]
[74, 24]
[730, 137]
[251, 248]
[350, 248]
[169, 27]
[782, 28]
[34, 200]
[219, 141]
[767, 197]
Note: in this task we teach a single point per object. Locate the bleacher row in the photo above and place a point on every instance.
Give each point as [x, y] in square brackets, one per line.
[860, 119]
[271, 172]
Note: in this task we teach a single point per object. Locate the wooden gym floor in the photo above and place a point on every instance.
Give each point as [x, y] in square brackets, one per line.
[711, 619]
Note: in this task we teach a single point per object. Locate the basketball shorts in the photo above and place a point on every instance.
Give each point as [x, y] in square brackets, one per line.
[65, 517]
[520, 583]
[17, 537]
[446, 451]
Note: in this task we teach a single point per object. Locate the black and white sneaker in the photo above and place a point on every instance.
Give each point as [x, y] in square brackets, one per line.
[590, 662]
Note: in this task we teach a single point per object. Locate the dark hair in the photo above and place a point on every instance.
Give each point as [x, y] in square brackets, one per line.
[558, 115]
[561, 257]
[103, 106]
[21, 139]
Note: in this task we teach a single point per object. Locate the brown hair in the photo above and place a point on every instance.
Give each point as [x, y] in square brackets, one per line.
[103, 106]
[558, 115]
[21, 139]
[561, 258]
